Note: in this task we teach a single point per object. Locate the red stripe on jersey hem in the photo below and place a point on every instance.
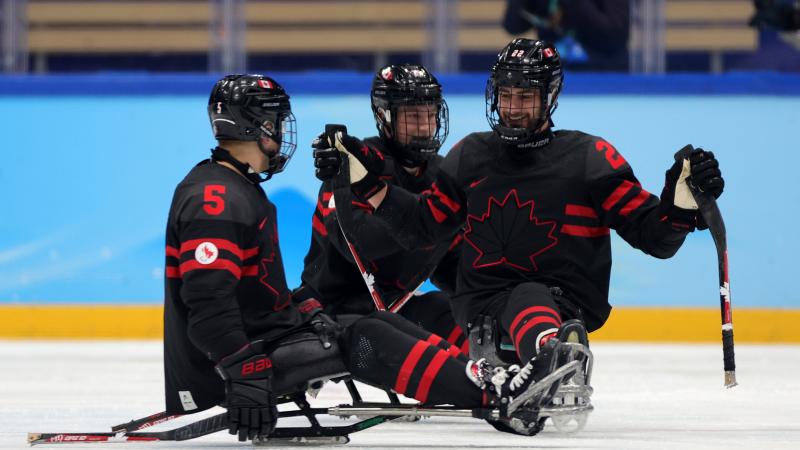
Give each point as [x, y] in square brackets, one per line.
[430, 374]
[401, 384]
[222, 244]
[634, 203]
[617, 195]
[580, 211]
[172, 251]
[317, 225]
[219, 264]
[528, 311]
[581, 231]
[532, 323]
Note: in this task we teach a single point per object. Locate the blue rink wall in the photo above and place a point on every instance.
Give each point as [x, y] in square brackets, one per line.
[90, 163]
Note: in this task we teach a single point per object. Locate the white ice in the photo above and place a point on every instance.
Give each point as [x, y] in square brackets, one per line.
[647, 396]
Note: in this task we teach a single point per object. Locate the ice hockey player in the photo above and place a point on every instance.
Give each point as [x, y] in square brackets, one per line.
[228, 314]
[412, 121]
[536, 206]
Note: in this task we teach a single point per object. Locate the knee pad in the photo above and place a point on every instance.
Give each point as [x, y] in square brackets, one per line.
[300, 359]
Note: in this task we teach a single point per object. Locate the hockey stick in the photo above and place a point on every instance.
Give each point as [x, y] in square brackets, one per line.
[713, 217]
[145, 422]
[368, 278]
[193, 430]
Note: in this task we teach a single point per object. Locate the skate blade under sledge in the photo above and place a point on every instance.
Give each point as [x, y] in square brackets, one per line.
[299, 441]
[570, 407]
[542, 391]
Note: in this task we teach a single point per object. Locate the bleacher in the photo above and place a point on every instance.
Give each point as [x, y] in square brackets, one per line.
[302, 27]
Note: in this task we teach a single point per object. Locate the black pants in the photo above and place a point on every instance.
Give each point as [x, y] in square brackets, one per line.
[530, 314]
[386, 350]
[432, 312]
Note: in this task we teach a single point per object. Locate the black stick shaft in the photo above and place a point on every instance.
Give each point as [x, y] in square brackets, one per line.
[713, 217]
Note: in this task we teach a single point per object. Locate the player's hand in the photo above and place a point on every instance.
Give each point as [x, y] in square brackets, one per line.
[324, 326]
[366, 163]
[692, 167]
[706, 175]
[248, 393]
[327, 159]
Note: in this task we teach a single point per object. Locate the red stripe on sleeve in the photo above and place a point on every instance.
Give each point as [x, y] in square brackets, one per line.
[222, 244]
[250, 271]
[219, 264]
[532, 323]
[528, 311]
[581, 211]
[438, 215]
[618, 193]
[173, 272]
[172, 251]
[446, 201]
[581, 231]
[318, 226]
[634, 203]
[407, 368]
[430, 374]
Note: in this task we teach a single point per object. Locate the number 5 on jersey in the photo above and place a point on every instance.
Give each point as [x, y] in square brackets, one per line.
[214, 203]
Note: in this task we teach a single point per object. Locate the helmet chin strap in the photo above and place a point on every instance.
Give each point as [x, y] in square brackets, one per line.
[219, 154]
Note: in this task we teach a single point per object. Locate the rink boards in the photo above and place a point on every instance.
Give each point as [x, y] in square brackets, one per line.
[626, 324]
[82, 243]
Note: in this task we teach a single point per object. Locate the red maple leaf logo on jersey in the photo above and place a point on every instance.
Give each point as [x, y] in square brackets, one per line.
[508, 233]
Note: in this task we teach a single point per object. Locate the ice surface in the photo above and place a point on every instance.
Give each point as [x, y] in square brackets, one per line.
[649, 396]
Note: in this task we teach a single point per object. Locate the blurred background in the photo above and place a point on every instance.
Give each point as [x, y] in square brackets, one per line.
[102, 106]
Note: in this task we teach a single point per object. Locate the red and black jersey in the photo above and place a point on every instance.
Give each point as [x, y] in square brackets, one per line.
[225, 283]
[331, 274]
[544, 216]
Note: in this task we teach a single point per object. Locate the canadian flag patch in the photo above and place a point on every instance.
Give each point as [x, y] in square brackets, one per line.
[206, 253]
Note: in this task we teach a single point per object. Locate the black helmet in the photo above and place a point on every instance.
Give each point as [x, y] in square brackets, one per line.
[530, 64]
[248, 107]
[396, 86]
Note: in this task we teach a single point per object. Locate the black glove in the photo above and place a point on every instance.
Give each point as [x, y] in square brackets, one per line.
[366, 163]
[324, 326]
[706, 175]
[326, 159]
[692, 168]
[248, 393]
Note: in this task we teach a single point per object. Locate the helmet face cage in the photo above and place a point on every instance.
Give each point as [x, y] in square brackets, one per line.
[532, 100]
[410, 113]
[522, 90]
[250, 107]
[287, 137]
[417, 128]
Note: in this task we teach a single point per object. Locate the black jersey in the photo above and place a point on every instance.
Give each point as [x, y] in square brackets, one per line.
[225, 284]
[544, 217]
[331, 274]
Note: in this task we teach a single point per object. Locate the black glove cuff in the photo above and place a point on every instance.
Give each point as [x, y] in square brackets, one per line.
[367, 187]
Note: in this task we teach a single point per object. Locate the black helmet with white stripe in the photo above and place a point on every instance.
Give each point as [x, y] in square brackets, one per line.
[249, 107]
